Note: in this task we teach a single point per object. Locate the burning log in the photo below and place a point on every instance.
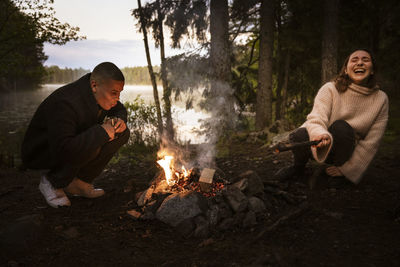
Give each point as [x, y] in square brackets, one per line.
[206, 179]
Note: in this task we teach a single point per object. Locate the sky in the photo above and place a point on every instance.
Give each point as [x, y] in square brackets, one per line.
[111, 35]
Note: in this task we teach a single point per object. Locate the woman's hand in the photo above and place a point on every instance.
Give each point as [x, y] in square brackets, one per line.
[325, 140]
[333, 171]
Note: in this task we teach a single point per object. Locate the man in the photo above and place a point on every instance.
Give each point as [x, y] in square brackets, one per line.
[70, 137]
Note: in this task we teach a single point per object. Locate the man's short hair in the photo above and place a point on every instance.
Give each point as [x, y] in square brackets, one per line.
[107, 71]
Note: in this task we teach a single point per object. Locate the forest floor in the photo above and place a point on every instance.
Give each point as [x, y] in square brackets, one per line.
[348, 226]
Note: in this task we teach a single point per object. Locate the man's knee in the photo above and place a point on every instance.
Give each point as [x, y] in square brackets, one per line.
[120, 140]
[124, 137]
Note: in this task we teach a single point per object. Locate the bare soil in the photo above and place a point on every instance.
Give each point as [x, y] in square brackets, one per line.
[349, 226]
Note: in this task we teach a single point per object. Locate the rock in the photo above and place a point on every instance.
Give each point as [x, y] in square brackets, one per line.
[202, 227]
[226, 224]
[256, 205]
[214, 215]
[238, 218]
[236, 199]
[224, 210]
[154, 204]
[145, 196]
[219, 198]
[186, 227]
[180, 206]
[134, 214]
[148, 215]
[250, 219]
[242, 184]
[255, 184]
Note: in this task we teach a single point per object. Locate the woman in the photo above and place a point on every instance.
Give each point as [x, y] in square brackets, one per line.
[349, 118]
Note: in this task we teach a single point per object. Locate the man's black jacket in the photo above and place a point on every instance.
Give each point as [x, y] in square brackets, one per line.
[66, 127]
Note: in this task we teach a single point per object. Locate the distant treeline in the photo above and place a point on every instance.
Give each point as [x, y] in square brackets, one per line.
[138, 75]
[133, 75]
[67, 75]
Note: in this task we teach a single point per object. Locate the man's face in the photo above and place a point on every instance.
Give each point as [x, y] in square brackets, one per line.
[107, 92]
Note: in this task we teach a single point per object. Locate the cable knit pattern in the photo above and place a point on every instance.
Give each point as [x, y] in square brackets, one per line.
[365, 109]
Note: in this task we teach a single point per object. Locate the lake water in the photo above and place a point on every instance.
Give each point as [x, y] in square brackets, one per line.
[17, 109]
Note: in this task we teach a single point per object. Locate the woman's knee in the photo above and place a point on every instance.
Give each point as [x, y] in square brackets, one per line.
[341, 128]
[299, 135]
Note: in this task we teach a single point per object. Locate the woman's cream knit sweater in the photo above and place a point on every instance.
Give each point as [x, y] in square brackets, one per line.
[365, 109]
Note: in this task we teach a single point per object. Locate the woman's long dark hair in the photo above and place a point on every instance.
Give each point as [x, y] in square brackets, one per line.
[342, 80]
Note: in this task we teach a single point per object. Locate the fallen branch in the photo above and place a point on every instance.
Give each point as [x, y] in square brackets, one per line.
[281, 220]
[288, 197]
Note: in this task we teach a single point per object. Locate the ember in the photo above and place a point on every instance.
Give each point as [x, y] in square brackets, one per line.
[186, 180]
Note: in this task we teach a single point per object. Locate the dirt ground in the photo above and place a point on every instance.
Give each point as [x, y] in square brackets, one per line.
[349, 226]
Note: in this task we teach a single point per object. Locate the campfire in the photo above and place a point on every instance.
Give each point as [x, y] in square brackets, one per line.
[199, 201]
[189, 179]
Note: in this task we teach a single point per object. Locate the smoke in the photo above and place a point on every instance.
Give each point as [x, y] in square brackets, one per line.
[220, 104]
[188, 74]
[180, 154]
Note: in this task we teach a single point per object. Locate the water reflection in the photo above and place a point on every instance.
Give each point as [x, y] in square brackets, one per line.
[17, 109]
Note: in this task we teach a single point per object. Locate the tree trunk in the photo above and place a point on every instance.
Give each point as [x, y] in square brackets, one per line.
[151, 72]
[285, 84]
[376, 25]
[280, 74]
[164, 78]
[264, 91]
[329, 40]
[221, 99]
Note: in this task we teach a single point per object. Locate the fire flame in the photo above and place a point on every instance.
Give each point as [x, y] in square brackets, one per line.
[165, 163]
[171, 175]
[185, 172]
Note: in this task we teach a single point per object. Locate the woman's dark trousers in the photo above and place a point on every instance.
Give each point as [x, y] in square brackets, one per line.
[341, 151]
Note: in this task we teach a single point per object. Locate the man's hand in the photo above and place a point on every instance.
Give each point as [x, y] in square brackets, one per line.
[333, 171]
[107, 126]
[325, 140]
[119, 125]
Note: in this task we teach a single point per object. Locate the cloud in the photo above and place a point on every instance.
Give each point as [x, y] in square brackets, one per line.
[88, 53]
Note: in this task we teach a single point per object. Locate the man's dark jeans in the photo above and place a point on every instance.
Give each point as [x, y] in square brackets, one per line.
[62, 175]
[342, 147]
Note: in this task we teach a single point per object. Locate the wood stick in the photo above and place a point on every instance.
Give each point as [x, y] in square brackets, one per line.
[281, 220]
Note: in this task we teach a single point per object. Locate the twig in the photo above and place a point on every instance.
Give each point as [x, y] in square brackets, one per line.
[288, 197]
[281, 220]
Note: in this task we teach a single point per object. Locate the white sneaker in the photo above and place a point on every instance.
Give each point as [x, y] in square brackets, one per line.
[54, 197]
